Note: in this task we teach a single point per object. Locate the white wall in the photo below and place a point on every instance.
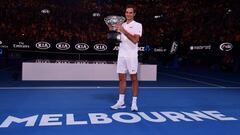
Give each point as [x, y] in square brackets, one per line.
[78, 71]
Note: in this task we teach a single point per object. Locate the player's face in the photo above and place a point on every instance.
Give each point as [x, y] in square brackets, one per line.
[129, 14]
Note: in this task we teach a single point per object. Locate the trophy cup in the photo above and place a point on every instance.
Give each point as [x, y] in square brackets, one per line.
[113, 20]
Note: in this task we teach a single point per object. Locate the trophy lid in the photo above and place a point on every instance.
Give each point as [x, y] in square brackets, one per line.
[114, 19]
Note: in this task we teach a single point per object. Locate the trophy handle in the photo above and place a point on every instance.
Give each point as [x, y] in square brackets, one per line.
[123, 19]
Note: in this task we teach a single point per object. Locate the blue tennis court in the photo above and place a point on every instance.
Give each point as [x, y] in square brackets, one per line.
[178, 103]
[58, 61]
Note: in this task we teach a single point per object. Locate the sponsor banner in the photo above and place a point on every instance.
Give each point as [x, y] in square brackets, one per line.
[226, 46]
[141, 49]
[201, 47]
[160, 50]
[82, 47]
[174, 47]
[146, 48]
[21, 45]
[43, 45]
[71, 61]
[93, 47]
[2, 45]
[63, 46]
[100, 47]
[115, 48]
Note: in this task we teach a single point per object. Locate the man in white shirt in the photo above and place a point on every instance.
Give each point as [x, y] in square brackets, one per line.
[131, 31]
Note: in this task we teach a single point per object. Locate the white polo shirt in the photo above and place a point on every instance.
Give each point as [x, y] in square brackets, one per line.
[127, 48]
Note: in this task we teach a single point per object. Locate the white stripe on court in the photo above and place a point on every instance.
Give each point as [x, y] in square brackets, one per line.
[213, 78]
[47, 88]
[193, 80]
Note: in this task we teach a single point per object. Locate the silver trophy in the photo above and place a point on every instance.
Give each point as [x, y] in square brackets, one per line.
[114, 20]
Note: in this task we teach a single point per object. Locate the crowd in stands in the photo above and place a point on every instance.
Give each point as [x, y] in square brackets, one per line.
[163, 20]
[194, 21]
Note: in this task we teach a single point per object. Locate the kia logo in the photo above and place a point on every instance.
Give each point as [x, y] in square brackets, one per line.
[43, 45]
[226, 46]
[100, 47]
[62, 46]
[82, 46]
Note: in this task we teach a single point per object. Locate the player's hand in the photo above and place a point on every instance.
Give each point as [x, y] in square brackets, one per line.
[120, 28]
[110, 27]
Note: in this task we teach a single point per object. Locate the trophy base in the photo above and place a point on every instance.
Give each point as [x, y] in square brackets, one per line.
[114, 36]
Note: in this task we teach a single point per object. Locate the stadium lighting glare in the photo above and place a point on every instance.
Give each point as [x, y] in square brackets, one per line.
[158, 16]
[45, 11]
[96, 14]
[229, 11]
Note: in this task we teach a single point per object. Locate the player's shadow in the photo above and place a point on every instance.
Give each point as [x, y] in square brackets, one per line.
[109, 97]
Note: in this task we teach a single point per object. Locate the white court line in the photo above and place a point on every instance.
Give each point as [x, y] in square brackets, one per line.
[193, 80]
[213, 78]
[2, 88]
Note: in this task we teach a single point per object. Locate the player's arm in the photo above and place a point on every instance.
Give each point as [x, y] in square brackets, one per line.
[134, 38]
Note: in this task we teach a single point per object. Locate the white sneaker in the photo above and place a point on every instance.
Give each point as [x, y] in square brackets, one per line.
[134, 108]
[118, 105]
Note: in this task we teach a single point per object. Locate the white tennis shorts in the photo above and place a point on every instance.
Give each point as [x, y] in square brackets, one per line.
[127, 64]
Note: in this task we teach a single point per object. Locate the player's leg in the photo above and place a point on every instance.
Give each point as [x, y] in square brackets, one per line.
[121, 70]
[132, 65]
[134, 92]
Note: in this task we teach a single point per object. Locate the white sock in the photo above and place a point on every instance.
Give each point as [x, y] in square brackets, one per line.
[134, 100]
[121, 98]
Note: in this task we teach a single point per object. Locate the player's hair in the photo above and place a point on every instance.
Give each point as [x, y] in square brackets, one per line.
[133, 7]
